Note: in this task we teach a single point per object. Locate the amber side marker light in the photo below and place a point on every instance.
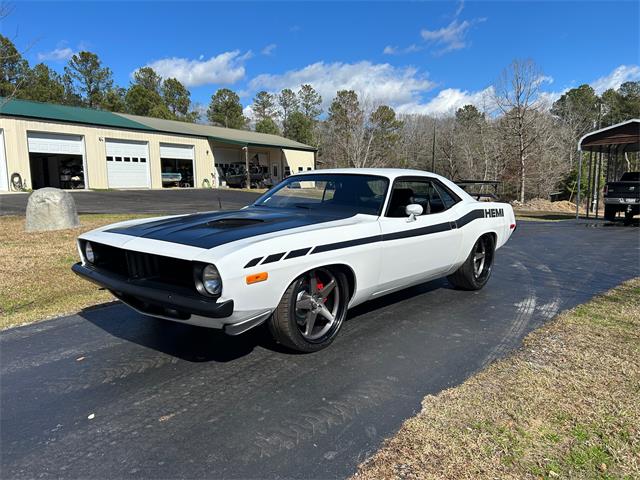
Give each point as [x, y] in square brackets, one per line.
[257, 277]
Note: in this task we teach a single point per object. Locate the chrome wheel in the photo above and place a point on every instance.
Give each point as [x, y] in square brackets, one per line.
[318, 304]
[479, 256]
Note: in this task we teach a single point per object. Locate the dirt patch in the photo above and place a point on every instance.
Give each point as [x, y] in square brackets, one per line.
[543, 205]
[564, 406]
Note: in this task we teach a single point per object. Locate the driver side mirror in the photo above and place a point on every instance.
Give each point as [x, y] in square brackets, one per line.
[413, 210]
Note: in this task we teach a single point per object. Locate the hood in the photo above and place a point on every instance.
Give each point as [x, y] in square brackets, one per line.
[212, 229]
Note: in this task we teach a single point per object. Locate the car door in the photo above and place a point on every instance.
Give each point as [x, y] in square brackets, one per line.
[417, 249]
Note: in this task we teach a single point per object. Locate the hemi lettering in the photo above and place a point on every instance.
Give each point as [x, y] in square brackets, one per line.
[493, 212]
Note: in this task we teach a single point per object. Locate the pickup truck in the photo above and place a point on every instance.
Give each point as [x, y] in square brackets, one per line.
[622, 196]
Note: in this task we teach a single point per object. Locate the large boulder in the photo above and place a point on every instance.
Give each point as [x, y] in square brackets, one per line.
[51, 209]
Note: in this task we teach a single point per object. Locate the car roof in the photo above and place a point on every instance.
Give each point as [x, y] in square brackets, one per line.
[391, 174]
[383, 172]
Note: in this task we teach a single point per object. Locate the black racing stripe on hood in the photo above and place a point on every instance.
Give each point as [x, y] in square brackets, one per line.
[212, 229]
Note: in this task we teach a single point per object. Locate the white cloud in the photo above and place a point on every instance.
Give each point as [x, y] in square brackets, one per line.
[391, 50]
[268, 50]
[452, 37]
[545, 79]
[622, 74]
[227, 67]
[449, 100]
[445, 39]
[375, 83]
[56, 55]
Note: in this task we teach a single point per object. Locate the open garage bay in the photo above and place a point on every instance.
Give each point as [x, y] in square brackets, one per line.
[110, 393]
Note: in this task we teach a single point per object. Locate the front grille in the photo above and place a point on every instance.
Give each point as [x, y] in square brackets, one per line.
[144, 266]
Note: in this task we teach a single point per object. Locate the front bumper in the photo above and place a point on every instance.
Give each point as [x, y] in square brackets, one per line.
[156, 299]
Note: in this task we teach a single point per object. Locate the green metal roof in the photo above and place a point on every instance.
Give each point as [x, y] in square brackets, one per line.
[63, 113]
[220, 134]
[47, 111]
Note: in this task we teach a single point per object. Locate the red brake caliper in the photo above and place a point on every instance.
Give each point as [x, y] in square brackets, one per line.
[320, 286]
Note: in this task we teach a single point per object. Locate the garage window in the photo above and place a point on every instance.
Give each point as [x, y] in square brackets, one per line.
[109, 159]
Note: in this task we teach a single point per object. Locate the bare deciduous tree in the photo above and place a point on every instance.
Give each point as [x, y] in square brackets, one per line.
[517, 97]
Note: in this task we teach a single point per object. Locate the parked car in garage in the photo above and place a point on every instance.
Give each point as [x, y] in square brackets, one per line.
[622, 196]
[305, 252]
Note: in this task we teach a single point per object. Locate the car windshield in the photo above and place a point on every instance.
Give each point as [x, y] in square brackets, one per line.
[350, 193]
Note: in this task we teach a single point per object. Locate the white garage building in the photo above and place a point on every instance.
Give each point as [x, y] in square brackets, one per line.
[70, 147]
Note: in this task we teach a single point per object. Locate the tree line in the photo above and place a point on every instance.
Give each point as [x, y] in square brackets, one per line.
[512, 135]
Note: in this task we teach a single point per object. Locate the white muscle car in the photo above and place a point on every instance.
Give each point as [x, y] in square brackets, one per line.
[305, 252]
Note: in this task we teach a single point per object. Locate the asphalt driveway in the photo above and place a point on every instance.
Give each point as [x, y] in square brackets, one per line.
[110, 393]
[168, 202]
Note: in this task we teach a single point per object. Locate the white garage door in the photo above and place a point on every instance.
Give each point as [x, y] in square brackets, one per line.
[54, 143]
[4, 184]
[170, 150]
[225, 156]
[127, 164]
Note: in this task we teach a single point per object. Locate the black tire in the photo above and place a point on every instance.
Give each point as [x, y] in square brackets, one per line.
[471, 275]
[285, 323]
[628, 217]
[610, 213]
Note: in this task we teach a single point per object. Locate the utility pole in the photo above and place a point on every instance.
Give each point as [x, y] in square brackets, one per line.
[433, 148]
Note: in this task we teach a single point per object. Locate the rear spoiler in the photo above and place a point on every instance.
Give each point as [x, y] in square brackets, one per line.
[481, 190]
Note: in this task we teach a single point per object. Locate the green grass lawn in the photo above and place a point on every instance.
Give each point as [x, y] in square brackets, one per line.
[566, 405]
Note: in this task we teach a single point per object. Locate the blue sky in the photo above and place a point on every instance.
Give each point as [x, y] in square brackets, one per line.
[425, 57]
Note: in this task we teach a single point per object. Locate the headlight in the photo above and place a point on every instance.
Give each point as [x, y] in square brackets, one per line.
[88, 253]
[211, 280]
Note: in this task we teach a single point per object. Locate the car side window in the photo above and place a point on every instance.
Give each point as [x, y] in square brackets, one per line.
[422, 192]
[449, 199]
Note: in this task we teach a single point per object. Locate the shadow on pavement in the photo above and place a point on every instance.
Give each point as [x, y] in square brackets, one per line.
[199, 344]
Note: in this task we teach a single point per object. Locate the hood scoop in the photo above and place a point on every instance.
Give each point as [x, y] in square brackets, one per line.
[234, 222]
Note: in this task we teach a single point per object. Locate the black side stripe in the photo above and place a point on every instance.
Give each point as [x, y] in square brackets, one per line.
[418, 232]
[469, 217]
[253, 263]
[298, 253]
[346, 244]
[274, 257]
[440, 227]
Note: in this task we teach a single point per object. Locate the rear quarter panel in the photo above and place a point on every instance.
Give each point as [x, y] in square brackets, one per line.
[497, 219]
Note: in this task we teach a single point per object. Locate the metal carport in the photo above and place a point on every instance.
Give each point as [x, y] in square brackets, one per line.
[608, 148]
